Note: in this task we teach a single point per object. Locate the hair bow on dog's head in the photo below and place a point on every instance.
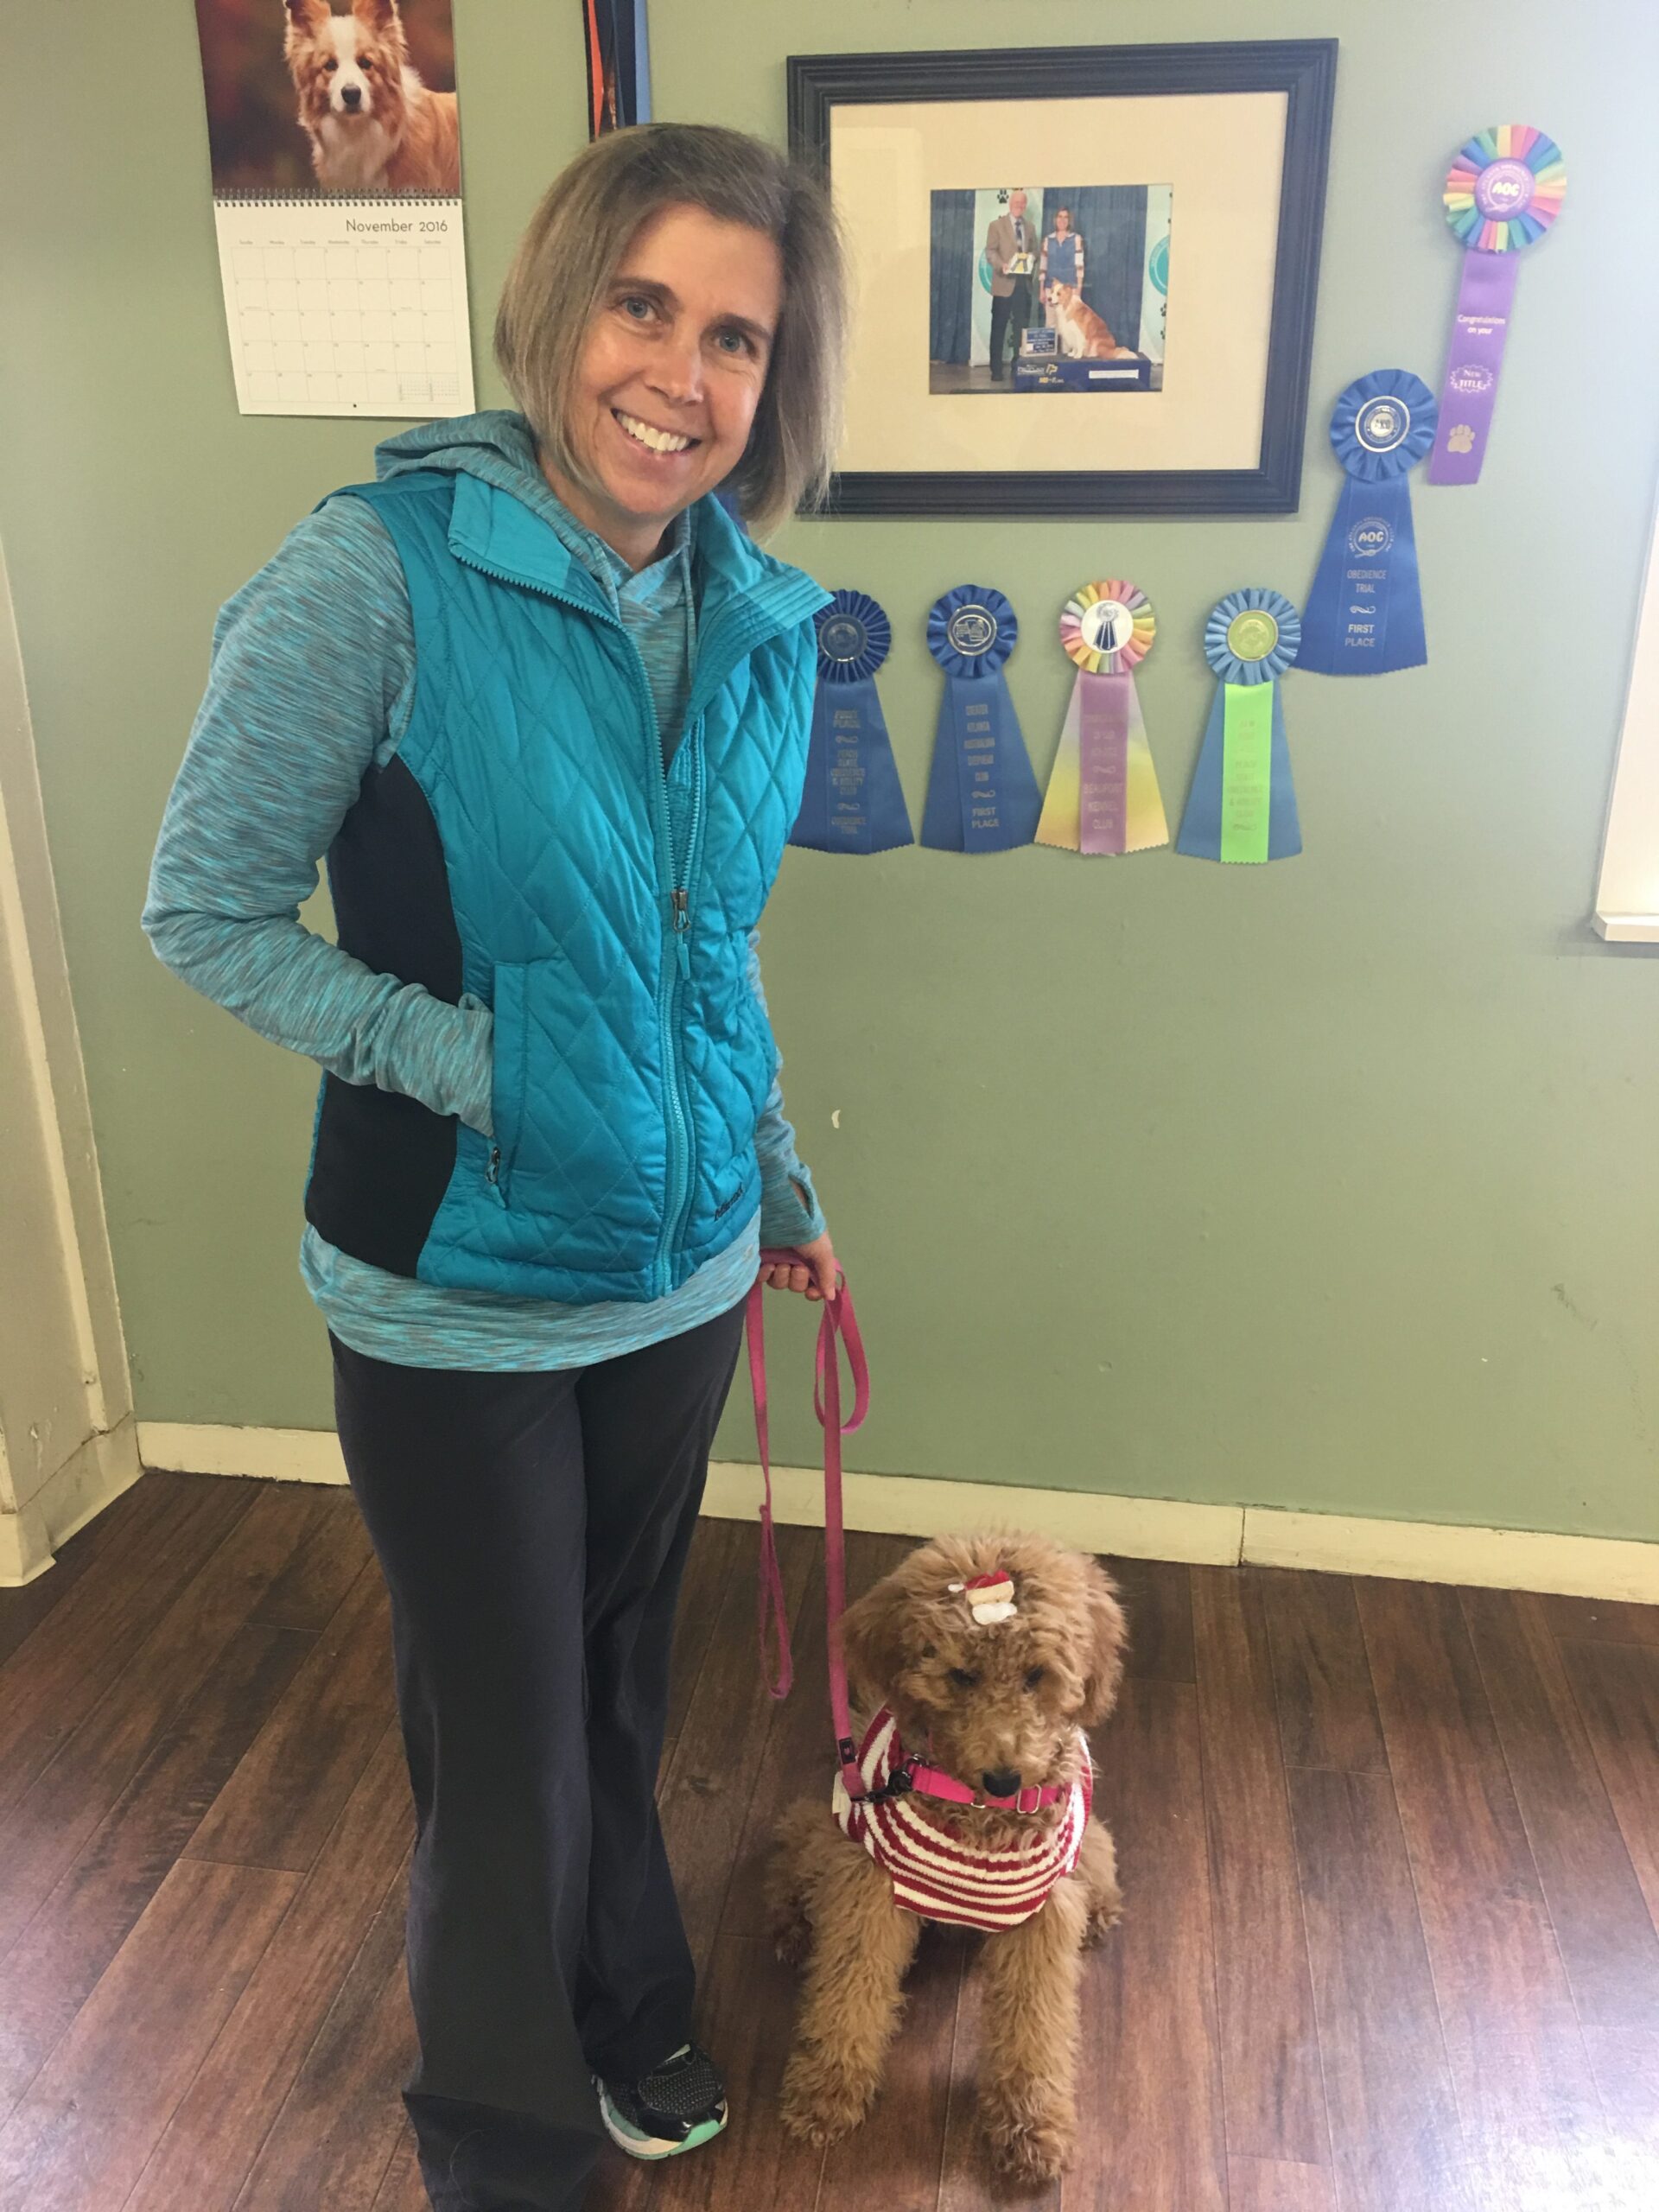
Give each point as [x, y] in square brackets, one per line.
[990, 1596]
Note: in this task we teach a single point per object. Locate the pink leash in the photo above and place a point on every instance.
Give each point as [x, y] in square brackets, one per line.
[836, 1318]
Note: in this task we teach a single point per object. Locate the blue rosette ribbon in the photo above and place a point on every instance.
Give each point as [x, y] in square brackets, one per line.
[1242, 804]
[852, 800]
[1364, 613]
[982, 792]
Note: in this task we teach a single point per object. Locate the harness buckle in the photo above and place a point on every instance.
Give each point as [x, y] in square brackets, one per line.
[901, 1779]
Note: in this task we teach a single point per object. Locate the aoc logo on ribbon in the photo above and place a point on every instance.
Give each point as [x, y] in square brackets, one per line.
[1370, 538]
[1102, 790]
[1242, 805]
[1364, 614]
[852, 801]
[1502, 192]
[981, 795]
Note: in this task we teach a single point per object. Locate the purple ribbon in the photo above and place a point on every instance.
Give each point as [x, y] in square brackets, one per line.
[1103, 707]
[1473, 364]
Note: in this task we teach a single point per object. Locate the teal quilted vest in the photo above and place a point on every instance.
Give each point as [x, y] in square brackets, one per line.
[531, 850]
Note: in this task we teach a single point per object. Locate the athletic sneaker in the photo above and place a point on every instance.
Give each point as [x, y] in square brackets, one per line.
[679, 2105]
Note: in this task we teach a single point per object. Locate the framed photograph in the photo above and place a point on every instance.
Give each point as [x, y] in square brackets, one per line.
[1130, 233]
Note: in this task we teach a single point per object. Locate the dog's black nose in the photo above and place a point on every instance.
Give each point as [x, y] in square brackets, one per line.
[1003, 1782]
[351, 95]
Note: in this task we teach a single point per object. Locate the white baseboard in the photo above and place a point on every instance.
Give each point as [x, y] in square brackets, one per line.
[93, 1475]
[1427, 1551]
[920, 1505]
[1095, 1520]
[273, 1455]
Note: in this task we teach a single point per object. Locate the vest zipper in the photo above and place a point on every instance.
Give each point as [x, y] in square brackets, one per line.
[679, 898]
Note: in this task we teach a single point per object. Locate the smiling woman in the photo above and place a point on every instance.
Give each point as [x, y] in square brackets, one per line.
[553, 781]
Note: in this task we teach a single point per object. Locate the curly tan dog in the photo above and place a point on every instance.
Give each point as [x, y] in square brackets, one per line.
[999, 1696]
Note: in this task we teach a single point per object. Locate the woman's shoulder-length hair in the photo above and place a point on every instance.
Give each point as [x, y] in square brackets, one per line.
[575, 243]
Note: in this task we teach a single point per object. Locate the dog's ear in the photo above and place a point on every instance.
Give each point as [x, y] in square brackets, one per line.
[380, 15]
[306, 15]
[1106, 1634]
[872, 1641]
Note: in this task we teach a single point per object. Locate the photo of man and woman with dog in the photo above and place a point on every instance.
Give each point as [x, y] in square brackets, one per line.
[306, 99]
[1055, 287]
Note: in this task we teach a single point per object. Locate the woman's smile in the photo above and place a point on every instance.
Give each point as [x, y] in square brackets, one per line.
[651, 438]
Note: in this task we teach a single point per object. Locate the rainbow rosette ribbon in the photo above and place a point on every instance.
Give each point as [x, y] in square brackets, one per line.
[1102, 790]
[981, 795]
[1503, 190]
[852, 800]
[1364, 613]
[1242, 804]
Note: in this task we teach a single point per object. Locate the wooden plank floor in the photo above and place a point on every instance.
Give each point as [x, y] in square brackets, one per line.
[1391, 1856]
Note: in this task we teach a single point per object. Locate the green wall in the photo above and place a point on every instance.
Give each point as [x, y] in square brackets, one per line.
[1329, 1184]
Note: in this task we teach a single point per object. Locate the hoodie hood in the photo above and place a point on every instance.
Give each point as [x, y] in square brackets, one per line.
[498, 447]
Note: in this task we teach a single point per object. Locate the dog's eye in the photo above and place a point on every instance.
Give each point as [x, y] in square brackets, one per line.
[364, 63]
[962, 1679]
[329, 67]
[1035, 1676]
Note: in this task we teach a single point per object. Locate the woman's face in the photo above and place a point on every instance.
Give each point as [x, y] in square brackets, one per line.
[1062, 222]
[674, 365]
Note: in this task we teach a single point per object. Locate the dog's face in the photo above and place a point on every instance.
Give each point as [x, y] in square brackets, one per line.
[1003, 1698]
[347, 69]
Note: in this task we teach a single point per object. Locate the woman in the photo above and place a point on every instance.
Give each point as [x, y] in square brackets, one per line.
[545, 706]
[1061, 262]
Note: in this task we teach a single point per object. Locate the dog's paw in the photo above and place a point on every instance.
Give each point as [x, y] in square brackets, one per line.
[820, 2101]
[791, 1936]
[1104, 1913]
[1030, 2130]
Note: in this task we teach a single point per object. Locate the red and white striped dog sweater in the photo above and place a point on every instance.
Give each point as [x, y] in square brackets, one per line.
[939, 1878]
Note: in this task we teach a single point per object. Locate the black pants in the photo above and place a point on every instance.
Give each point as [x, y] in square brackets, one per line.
[1015, 307]
[532, 1531]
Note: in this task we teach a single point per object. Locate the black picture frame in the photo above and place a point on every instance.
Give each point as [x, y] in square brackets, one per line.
[1304, 69]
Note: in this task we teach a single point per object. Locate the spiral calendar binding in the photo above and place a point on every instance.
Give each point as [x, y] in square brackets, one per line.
[343, 199]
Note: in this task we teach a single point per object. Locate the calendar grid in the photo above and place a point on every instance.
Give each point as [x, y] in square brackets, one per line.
[346, 307]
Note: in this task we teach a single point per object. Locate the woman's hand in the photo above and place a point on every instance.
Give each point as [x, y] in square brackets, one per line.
[816, 1282]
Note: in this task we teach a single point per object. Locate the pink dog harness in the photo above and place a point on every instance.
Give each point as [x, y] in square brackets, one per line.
[937, 1877]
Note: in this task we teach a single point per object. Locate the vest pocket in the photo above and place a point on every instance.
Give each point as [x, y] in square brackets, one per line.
[576, 1102]
[509, 1075]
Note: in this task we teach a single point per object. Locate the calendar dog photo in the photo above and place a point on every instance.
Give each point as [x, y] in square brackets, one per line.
[372, 123]
[330, 99]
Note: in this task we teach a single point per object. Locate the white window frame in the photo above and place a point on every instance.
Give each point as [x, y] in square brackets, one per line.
[1627, 897]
